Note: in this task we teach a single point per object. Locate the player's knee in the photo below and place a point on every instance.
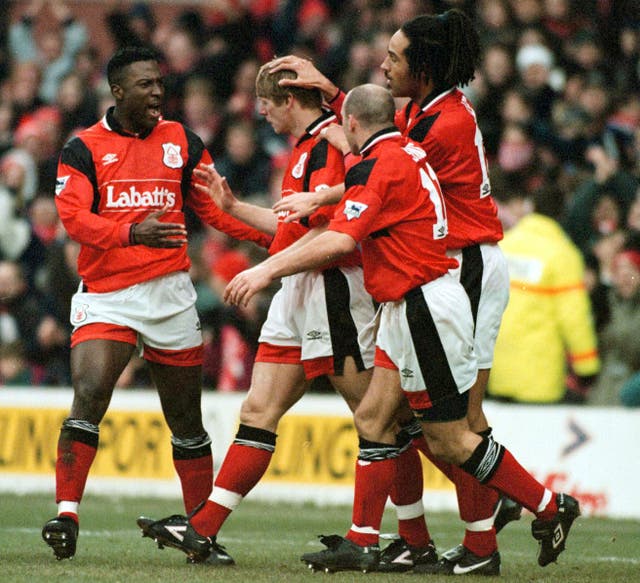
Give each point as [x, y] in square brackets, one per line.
[448, 449]
[90, 401]
[371, 425]
[186, 421]
[257, 414]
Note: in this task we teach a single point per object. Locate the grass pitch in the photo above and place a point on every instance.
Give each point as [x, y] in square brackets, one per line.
[266, 540]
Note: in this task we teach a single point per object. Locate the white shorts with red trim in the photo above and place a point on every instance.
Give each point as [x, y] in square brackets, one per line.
[428, 337]
[321, 315]
[493, 296]
[161, 312]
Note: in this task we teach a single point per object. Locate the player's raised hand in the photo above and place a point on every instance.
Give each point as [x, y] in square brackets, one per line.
[152, 232]
[215, 186]
[308, 75]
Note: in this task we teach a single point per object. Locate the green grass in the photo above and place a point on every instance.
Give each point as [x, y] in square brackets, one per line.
[266, 541]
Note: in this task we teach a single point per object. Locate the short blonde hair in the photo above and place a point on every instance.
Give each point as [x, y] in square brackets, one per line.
[268, 86]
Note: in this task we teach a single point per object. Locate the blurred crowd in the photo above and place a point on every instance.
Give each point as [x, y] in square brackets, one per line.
[557, 98]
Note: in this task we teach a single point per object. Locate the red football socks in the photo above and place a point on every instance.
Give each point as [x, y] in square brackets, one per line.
[406, 495]
[242, 469]
[372, 486]
[196, 478]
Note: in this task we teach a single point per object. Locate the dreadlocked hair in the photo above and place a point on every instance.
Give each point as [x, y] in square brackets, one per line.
[445, 48]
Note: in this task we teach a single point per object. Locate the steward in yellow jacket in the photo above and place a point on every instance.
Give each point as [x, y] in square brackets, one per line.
[548, 322]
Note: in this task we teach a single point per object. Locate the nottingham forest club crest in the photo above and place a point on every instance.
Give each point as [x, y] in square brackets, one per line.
[172, 157]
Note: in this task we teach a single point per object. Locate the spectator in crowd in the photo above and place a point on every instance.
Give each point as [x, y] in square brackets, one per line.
[548, 327]
[242, 101]
[43, 216]
[133, 26]
[6, 125]
[633, 216]
[604, 250]
[58, 277]
[300, 22]
[15, 369]
[600, 203]
[200, 111]
[583, 53]
[244, 163]
[516, 149]
[89, 67]
[22, 88]
[534, 64]
[19, 172]
[495, 22]
[77, 104]
[496, 76]
[213, 258]
[15, 232]
[568, 133]
[626, 75]
[50, 39]
[27, 318]
[560, 21]
[527, 14]
[183, 55]
[39, 134]
[619, 381]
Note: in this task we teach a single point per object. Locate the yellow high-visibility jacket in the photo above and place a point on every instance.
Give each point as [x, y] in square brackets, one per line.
[548, 322]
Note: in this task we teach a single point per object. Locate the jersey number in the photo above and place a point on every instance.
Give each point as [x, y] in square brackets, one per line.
[440, 228]
[485, 187]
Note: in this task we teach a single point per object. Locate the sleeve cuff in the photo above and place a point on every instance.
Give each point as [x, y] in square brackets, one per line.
[335, 96]
[125, 234]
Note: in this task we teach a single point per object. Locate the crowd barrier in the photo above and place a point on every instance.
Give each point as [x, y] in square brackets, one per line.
[588, 452]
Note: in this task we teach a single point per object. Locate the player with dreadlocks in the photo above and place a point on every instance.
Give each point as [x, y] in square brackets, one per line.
[428, 58]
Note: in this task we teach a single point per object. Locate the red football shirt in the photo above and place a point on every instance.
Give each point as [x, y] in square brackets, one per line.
[313, 164]
[393, 205]
[109, 179]
[446, 128]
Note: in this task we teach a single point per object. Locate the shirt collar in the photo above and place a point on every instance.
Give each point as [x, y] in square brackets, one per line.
[110, 122]
[434, 97]
[379, 136]
[314, 128]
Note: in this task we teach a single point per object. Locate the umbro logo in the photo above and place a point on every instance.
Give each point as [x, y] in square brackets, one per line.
[406, 373]
[314, 335]
[558, 536]
[109, 159]
[440, 232]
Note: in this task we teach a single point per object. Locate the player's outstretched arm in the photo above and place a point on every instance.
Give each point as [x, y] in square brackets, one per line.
[216, 186]
[318, 251]
[303, 204]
